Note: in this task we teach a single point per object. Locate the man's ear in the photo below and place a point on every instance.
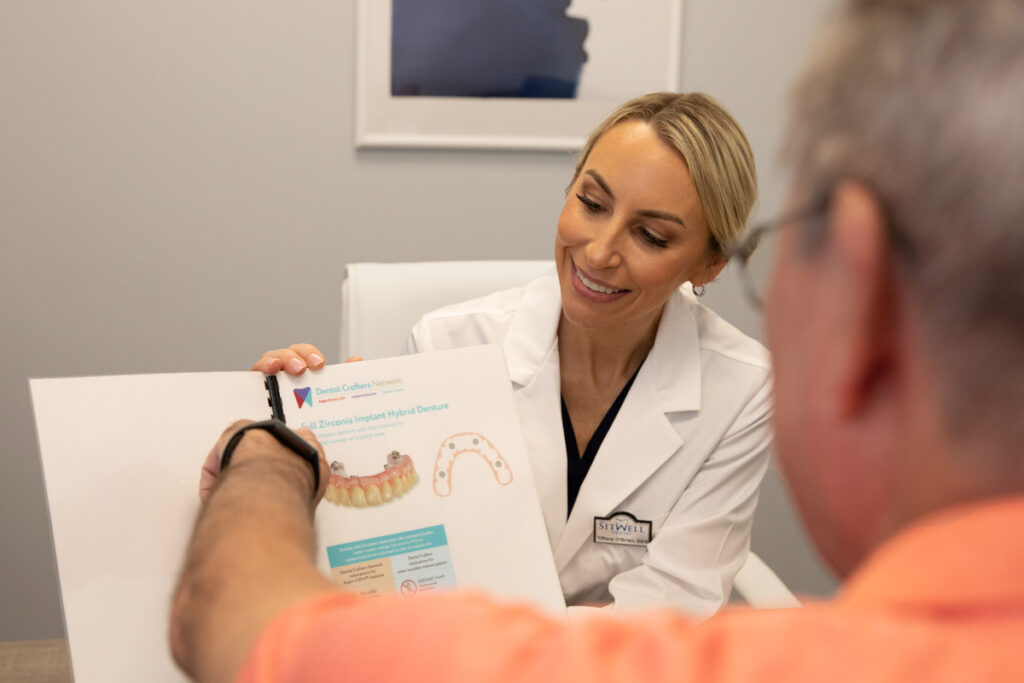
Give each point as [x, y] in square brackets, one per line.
[865, 300]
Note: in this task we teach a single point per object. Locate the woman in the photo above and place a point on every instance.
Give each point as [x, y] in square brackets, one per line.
[633, 397]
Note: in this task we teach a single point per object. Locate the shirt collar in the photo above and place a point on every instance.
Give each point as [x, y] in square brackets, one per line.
[970, 556]
[672, 366]
[531, 333]
[674, 360]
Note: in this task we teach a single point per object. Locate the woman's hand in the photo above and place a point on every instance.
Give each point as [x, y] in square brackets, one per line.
[294, 360]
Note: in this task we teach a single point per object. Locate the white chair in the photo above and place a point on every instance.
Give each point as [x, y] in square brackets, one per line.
[380, 303]
[760, 587]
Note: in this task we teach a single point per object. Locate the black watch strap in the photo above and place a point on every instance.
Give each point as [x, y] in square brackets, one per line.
[286, 437]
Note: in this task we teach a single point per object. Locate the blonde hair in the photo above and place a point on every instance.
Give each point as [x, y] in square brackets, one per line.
[713, 146]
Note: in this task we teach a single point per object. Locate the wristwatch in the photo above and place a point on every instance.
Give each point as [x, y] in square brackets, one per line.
[286, 437]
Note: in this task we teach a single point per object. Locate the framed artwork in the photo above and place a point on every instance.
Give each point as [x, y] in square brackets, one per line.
[506, 74]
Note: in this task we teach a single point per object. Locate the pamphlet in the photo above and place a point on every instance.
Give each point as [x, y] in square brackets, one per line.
[430, 485]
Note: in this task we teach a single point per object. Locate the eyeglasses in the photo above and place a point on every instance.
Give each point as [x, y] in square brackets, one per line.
[752, 276]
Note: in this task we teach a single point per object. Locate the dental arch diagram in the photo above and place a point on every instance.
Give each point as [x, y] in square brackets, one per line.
[459, 444]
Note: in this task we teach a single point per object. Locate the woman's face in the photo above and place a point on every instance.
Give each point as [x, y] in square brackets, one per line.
[631, 232]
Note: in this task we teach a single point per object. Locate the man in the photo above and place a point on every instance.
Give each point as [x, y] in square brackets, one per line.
[896, 318]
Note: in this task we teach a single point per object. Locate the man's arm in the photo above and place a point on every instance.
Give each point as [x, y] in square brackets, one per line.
[250, 555]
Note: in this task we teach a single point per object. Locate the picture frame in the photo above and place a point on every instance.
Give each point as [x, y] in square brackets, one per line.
[610, 75]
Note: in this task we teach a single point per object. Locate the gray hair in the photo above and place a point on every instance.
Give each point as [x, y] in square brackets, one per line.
[923, 102]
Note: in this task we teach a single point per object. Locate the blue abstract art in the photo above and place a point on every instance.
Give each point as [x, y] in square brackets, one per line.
[486, 48]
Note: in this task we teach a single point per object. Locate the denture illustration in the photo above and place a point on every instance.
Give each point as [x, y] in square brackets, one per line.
[467, 442]
[398, 477]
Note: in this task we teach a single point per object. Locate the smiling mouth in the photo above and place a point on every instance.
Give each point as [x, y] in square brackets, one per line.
[593, 286]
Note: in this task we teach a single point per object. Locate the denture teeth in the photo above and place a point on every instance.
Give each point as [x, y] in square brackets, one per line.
[373, 495]
[357, 497]
[398, 477]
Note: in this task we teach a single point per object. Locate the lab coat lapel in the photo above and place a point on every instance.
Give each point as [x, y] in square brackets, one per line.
[531, 352]
[642, 437]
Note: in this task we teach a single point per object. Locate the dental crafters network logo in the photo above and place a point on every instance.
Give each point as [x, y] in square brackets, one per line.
[303, 396]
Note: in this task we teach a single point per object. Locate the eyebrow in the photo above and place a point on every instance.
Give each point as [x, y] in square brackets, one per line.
[649, 213]
[600, 181]
[663, 215]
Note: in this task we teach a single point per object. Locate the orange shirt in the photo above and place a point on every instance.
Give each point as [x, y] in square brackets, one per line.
[943, 601]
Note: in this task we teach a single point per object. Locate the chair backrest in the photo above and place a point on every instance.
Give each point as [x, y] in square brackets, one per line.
[380, 302]
[760, 587]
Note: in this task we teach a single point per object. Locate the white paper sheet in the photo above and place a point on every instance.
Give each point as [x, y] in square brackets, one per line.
[121, 458]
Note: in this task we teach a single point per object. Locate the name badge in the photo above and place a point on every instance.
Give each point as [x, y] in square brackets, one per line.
[622, 528]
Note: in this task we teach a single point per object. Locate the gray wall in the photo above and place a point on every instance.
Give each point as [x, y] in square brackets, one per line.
[179, 191]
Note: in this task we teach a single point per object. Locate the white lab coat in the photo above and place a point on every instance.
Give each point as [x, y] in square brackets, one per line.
[687, 450]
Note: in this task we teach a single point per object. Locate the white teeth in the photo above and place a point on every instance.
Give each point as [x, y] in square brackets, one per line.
[593, 286]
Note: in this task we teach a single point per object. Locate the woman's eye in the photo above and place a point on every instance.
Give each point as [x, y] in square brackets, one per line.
[590, 204]
[653, 239]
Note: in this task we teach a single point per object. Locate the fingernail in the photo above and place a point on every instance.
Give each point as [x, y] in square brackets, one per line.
[296, 366]
[315, 359]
